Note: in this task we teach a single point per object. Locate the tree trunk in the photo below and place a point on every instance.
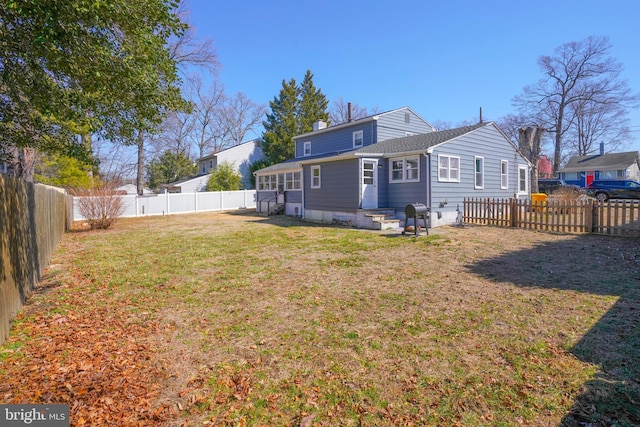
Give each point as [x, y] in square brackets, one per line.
[88, 144]
[140, 168]
[529, 141]
[23, 163]
[558, 143]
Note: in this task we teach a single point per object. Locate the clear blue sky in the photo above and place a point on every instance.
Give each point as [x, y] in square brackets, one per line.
[444, 59]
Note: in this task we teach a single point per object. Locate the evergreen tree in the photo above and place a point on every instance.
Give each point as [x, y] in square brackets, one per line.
[170, 167]
[224, 178]
[293, 112]
[63, 171]
[282, 124]
[313, 105]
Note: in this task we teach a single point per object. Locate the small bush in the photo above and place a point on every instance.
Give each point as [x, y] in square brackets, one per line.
[567, 194]
[101, 205]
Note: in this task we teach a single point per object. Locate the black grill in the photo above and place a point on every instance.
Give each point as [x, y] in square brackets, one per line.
[416, 211]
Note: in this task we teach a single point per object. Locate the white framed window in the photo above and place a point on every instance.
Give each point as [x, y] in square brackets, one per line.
[504, 174]
[315, 177]
[267, 182]
[292, 180]
[405, 169]
[280, 183]
[523, 185]
[358, 139]
[307, 148]
[448, 168]
[479, 172]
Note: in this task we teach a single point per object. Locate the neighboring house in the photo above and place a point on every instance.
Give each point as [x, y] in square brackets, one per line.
[545, 167]
[346, 173]
[582, 170]
[240, 156]
[132, 189]
[190, 185]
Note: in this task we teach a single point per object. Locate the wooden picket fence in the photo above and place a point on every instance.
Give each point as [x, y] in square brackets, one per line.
[617, 217]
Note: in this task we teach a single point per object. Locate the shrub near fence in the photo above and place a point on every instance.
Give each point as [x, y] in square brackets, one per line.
[32, 221]
[615, 217]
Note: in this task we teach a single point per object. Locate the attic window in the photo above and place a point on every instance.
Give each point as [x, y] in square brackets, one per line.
[407, 118]
[357, 139]
[307, 148]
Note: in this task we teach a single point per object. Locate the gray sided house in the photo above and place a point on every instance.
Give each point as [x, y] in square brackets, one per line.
[582, 170]
[393, 166]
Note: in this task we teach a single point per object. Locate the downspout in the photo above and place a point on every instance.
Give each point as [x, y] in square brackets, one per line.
[427, 155]
[304, 201]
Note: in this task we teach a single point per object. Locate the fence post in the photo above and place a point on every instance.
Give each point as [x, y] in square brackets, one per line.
[594, 217]
[195, 194]
[512, 212]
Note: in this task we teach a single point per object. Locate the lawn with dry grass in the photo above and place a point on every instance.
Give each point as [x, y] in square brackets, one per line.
[236, 319]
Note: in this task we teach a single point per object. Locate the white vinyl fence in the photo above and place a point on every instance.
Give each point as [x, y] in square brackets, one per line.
[180, 203]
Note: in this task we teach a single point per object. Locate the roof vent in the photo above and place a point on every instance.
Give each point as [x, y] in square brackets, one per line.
[319, 125]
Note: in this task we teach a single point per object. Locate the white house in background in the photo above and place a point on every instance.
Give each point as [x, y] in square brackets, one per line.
[132, 189]
[240, 156]
[189, 185]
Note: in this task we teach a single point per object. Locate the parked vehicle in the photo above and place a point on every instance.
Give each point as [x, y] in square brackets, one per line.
[606, 189]
[548, 186]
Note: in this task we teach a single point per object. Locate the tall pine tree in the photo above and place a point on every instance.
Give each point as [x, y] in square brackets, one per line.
[293, 112]
[313, 105]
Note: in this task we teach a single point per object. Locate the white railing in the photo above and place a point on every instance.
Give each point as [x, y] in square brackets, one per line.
[180, 203]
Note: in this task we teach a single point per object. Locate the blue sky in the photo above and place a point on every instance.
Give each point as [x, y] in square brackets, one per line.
[444, 59]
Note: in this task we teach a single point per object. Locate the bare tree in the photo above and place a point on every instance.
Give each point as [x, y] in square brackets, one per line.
[175, 136]
[188, 50]
[578, 72]
[339, 111]
[240, 115]
[209, 131]
[597, 123]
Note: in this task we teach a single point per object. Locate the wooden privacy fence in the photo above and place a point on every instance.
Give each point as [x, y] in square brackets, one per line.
[32, 221]
[617, 217]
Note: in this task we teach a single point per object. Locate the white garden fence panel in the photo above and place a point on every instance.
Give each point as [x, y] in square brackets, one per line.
[180, 203]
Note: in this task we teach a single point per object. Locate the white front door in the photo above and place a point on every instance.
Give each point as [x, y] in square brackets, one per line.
[369, 183]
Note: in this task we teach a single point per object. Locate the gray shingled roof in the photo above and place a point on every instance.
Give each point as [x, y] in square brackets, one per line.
[405, 144]
[420, 142]
[613, 161]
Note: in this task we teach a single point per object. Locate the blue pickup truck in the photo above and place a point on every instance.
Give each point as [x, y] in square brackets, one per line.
[606, 189]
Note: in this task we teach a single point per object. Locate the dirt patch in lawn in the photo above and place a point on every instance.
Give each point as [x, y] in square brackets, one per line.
[235, 319]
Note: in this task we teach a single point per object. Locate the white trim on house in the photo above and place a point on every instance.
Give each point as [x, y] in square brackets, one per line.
[307, 149]
[318, 177]
[358, 139]
[523, 180]
[448, 168]
[504, 174]
[402, 167]
[478, 174]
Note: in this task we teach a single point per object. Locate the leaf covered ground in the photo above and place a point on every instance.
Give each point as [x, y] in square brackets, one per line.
[235, 319]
